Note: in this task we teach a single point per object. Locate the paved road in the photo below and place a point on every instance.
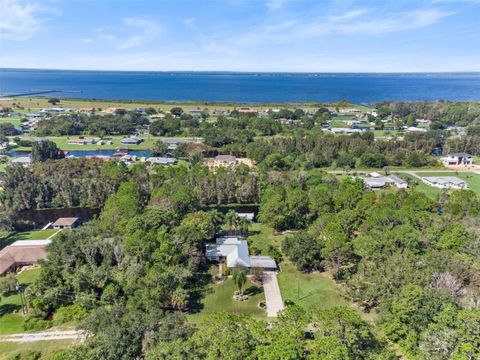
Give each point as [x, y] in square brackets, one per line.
[273, 296]
[45, 335]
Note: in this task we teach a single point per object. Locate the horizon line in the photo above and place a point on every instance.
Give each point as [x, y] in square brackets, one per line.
[252, 72]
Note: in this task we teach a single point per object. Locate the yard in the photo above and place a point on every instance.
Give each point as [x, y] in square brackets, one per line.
[7, 239]
[11, 320]
[472, 179]
[219, 298]
[314, 291]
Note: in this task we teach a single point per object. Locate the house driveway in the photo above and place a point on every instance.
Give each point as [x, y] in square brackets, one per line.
[273, 296]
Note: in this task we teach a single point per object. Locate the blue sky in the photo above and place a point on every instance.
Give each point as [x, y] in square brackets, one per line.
[242, 35]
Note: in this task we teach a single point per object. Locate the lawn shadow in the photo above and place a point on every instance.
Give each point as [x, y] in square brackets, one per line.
[199, 291]
[8, 308]
[253, 290]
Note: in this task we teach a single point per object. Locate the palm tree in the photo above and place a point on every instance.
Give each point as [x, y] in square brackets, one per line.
[244, 225]
[231, 220]
[240, 278]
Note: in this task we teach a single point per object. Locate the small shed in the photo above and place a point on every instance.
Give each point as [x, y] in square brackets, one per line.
[66, 223]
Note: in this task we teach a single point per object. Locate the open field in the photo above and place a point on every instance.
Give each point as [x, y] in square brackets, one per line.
[33, 103]
[11, 320]
[219, 298]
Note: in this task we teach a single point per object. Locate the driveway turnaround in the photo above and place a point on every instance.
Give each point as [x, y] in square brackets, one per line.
[273, 296]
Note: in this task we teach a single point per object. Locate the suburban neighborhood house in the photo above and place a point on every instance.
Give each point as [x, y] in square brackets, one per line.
[457, 159]
[66, 223]
[234, 251]
[225, 160]
[445, 182]
[375, 183]
[22, 253]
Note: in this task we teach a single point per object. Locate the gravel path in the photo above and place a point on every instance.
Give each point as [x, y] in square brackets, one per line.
[45, 335]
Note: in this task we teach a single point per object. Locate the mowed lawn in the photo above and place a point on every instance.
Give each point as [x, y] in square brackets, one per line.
[9, 350]
[11, 320]
[7, 239]
[312, 291]
[219, 298]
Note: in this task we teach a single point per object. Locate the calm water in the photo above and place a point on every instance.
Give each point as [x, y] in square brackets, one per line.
[243, 87]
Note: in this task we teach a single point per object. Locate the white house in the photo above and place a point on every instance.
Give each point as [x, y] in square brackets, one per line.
[234, 251]
[445, 182]
[375, 183]
[161, 160]
[457, 159]
[225, 160]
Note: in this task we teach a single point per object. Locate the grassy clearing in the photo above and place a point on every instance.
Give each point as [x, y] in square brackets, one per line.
[314, 291]
[219, 298]
[11, 320]
[47, 348]
[261, 236]
[7, 239]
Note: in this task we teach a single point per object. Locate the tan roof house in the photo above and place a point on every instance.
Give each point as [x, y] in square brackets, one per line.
[66, 223]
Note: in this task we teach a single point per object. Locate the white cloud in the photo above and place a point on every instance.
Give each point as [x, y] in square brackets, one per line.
[149, 31]
[19, 20]
[145, 31]
[190, 22]
[275, 4]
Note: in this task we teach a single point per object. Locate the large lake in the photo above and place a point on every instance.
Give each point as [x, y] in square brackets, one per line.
[243, 87]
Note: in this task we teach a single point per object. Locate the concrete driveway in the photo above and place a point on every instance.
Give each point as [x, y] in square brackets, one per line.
[273, 296]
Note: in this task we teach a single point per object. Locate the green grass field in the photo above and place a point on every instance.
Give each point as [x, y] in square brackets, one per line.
[219, 298]
[9, 350]
[261, 236]
[314, 291]
[9, 238]
[11, 320]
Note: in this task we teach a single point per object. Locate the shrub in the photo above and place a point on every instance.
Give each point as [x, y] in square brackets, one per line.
[26, 355]
[35, 324]
[69, 313]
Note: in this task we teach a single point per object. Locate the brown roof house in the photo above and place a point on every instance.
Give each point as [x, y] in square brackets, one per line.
[66, 223]
[22, 253]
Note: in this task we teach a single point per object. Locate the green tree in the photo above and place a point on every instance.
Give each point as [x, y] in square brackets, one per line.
[45, 150]
[239, 278]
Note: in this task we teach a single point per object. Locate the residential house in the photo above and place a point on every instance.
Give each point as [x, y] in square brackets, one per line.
[457, 159]
[66, 223]
[161, 160]
[445, 182]
[131, 141]
[225, 160]
[234, 251]
[379, 182]
[25, 161]
[22, 253]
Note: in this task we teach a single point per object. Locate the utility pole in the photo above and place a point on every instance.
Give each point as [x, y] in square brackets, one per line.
[19, 289]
